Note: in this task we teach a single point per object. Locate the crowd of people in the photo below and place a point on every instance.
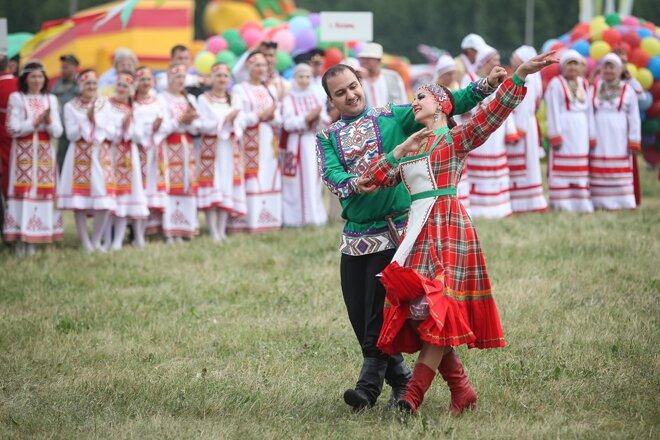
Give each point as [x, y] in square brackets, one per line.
[131, 148]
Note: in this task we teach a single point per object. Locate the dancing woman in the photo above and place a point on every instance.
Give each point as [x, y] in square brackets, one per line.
[437, 287]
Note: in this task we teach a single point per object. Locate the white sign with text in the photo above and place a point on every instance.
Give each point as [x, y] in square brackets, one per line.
[347, 26]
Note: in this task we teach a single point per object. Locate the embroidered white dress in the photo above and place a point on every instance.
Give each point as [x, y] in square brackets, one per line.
[302, 197]
[523, 156]
[263, 180]
[220, 164]
[87, 179]
[618, 135]
[130, 195]
[31, 216]
[180, 211]
[570, 125]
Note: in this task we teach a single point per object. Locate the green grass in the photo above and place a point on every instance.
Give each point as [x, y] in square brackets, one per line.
[250, 339]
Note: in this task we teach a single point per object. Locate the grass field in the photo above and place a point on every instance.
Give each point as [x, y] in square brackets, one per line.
[250, 339]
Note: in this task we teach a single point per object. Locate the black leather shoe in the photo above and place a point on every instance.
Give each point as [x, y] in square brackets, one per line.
[369, 384]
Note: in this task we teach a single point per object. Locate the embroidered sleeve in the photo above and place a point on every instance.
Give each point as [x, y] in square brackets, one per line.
[383, 170]
[486, 120]
[17, 124]
[466, 98]
[340, 182]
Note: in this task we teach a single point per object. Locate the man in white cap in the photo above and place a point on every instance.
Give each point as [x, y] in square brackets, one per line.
[381, 86]
[466, 61]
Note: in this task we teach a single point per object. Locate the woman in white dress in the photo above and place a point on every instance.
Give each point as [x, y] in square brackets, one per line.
[221, 191]
[178, 162]
[33, 122]
[523, 156]
[148, 135]
[261, 118]
[487, 167]
[570, 132]
[117, 118]
[618, 135]
[302, 115]
[86, 184]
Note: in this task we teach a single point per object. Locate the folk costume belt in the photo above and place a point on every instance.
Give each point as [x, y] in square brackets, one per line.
[448, 191]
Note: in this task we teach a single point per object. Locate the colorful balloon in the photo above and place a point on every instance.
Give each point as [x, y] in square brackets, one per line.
[580, 31]
[646, 102]
[613, 19]
[630, 21]
[237, 45]
[655, 89]
[299, 23]
[283, 61]
[333, 56]
[632, 38]
[250, 24]
[315, 19]
[651, 126]
[582, 46]
[305, 40]
[597, 29]
[644, 33]
[599, 49]
[271, 22]
[216, 44]
[645, 78]
[546, 46]
[285, 40]
[632, 69]
[203, 62]
[252, 37]
[611, 37]
[651, 46]
[654, 67]
[639, 57]
[226, 57]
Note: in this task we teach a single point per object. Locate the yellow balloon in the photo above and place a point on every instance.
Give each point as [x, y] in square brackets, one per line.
[651, 46]
[596, 30]
[645, 78]
[599, 49]
[598, 19]
[204, 61]
[632, 69]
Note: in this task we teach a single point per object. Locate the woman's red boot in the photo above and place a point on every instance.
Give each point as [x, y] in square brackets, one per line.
[462, 394]
[420, 382]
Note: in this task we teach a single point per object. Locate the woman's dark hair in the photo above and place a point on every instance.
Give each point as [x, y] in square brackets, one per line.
[253, 54]
[29, 68]
[334, 71]
[450, 117]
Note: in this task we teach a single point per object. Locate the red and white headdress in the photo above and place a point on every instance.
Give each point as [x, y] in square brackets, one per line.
[177, 69]
[440, 96]
[220, 68]
[143, 72]
[87, 77]
[126, 79]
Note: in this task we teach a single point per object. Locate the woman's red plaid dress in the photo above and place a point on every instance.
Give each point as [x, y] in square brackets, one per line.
[445, 263]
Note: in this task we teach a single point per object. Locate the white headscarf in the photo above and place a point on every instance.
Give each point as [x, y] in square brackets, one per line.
[612, 58]
[445, 64]
[570, 55]
[525, 53]
[483, 55]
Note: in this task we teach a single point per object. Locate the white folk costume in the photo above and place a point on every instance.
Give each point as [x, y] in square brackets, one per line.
[31, 216]
[526, 189]
[87, 181]
[180, 213]
[487, 167]
[263, 181]
[618, 133]
[570, 128]
[302, 197]
[150, 149]
[130, 195]
[221, 183]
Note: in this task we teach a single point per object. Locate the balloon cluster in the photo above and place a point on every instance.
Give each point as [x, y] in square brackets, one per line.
[637, 40]
[297, 35]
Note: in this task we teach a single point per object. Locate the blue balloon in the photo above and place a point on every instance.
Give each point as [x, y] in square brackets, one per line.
[582, 47]
[298, 23]
[548, 44]
[288, 73]
[646, 102]
[654, 67]
[643, 33]
[642, 116]
[565, 38]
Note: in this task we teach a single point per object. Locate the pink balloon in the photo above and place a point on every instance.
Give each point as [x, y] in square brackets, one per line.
[252, 37]
[216, 44]
[591, 64]
[630, 21]
[285, 40]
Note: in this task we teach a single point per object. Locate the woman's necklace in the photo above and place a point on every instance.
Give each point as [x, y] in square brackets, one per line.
[609, 91]
[577, 93]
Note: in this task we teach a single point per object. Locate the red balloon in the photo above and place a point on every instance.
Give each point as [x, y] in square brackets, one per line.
[611, 36]
[654, 111]
[639, 58]
[580, 31]
[649, 25]
[632, 39]
[557, 46]
[655, 90]
[550, 72]
[333, 56]
[625, 46]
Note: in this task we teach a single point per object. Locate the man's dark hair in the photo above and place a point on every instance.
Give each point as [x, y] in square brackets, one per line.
[177, 48]
[4, 63]
[29, 68]
[334, 71]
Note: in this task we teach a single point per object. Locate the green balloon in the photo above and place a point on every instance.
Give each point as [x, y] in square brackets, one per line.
[283, 61]
[651, 126]
[237, 46]
[270, 22]
[226, 57]
[231, 35]
[613, 19]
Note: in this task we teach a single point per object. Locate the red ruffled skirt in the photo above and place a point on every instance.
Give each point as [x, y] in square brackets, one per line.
[454, 319]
